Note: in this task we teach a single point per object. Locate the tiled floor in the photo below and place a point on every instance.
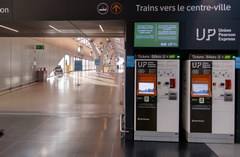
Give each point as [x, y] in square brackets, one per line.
[97, 94]
[60, 119]
[68, 136]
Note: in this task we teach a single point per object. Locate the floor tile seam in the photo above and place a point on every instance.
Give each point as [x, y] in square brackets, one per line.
[211, 149]
[9, 147]
[75, 152]
[10, 127]
[112, 151]
[38, 127]
[38, 153]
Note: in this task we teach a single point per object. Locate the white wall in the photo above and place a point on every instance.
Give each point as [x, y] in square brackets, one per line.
[17, 56]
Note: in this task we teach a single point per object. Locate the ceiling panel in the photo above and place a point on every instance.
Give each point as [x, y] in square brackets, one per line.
[68, 28]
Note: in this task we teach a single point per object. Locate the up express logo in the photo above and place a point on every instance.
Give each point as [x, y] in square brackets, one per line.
[222, 34]
[205, 34]
[4, 10]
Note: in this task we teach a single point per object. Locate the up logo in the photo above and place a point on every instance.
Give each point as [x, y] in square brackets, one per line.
[142, 64]
[196, 65]
[205, 34]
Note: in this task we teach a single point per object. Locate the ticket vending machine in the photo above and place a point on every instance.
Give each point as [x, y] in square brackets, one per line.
[156, 98]
[209, 98]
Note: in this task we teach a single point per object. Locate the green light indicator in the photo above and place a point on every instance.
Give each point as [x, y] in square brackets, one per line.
[178, 57]
[39, 47]
[233, 57]
[172, 56]
[227, 57]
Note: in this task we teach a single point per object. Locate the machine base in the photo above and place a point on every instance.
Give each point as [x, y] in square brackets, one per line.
[209, 138]
[156, 136]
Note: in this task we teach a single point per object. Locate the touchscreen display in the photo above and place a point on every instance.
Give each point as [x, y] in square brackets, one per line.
[146, 88]
[200, 89]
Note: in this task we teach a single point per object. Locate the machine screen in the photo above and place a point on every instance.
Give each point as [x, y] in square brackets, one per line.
[200, 89]
[146, 88]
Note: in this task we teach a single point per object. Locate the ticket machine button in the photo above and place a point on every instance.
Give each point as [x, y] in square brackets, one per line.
[214, 83]
[172, 83]
[146, 99]
[201, 100]
[228, 84]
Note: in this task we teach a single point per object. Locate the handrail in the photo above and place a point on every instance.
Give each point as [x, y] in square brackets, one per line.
[121, 129]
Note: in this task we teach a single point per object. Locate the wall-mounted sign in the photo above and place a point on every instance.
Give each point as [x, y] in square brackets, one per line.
[212, 57]
[156, 34]
[130, 61]
[237, 63]
[116, 8]
[39, 47]
[212, 34]
[97, 61]
[102, 8]
[190, 8]
[4, 10]
[157, 56]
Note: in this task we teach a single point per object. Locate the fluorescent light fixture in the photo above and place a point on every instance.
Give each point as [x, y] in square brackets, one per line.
[5, 27]
[101, 28]
[55, 28]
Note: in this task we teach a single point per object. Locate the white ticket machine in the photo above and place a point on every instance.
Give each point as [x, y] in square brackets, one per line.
[209, 98]
[156, 98]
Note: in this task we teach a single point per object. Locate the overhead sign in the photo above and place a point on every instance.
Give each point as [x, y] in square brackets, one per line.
[102, 8]
[212, 56]
[156, 34]
[5, 10]
[212, 34]
[116, 8]
[191, 8]
[158, 56]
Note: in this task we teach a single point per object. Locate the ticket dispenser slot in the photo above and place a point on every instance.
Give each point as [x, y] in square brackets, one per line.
[201, 97]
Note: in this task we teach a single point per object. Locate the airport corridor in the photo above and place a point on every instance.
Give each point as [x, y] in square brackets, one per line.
[58, 118]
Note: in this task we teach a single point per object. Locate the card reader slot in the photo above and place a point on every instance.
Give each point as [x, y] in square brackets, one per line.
[146, 105]
[201, 107]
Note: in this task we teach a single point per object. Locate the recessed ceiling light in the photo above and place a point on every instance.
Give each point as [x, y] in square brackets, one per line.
[11, 29]
[101, 28]
[55, 28]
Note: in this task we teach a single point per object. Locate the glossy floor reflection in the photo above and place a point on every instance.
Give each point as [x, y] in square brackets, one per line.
[59, 119]
[77, 136]
[97, 94]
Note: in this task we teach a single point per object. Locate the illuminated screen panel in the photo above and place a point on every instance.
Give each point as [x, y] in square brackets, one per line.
[156, 34]
[200, 89]
[145, 88]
